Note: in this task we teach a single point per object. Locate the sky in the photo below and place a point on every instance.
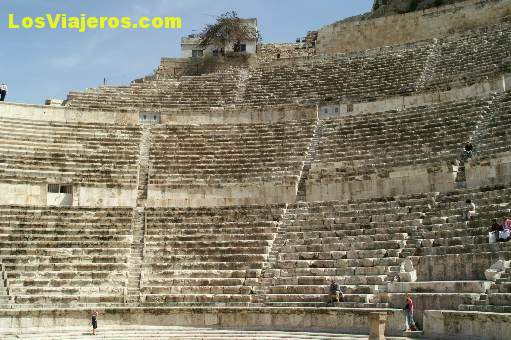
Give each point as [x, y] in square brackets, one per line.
[38, 64]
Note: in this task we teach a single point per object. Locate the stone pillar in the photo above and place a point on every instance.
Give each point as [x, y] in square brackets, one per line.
[377, 325]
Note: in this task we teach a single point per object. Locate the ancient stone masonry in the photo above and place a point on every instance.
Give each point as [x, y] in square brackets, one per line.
[63, 256]
[246, 199]
[86, 154]
[467, 58]
[430, 65]
[206, 255]
[349, 242]
[235, 160]
[309, 158]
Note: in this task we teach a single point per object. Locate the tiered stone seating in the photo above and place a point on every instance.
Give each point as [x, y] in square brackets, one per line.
[170, 332]
[451, 255]
[206, 255]
[80, 153]
[377, 142]
[222, 154]
[470, 57]
[459, 60]
[358, 244]
[65, 255]
[494, 137]
[450, 235]
[353, 77]
[189, 92]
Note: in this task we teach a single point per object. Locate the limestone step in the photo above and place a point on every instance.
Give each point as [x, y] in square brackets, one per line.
[170, 332]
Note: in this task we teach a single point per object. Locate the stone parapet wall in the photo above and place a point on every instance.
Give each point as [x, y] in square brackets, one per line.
[399, 181]
[335, 319]
[490, 171]
[451, 324]
[398, 29]
[65, 114]
[221, 194]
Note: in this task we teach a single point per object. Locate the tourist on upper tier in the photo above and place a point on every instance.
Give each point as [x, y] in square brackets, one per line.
[94, 322]
[495, 230]
[335, 291]
[467, 151]
[470, 210]
[505, 233]
[410, 323]
[3, 92]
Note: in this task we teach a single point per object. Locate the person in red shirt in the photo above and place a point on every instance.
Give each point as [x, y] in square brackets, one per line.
[410, 323]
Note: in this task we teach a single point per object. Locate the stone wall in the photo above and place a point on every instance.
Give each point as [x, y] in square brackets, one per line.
[221, 195]
[95, 197]
[455, 267]
[499, 84]
[23, 194]
[398, 29]
[65, 114]
[400, 181]
[104, 197]
[276, 51]
[224, 116]
[466, 325]
[245, 116]
[333, 319]
[491, 171]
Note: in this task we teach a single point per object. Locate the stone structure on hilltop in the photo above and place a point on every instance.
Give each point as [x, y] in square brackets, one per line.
[232, 199]
[392, 7]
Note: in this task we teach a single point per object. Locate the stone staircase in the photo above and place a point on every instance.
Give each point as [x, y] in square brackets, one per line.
[4, 293]
[136, 256]
[416, 238]
[309, 158]
[144, 165]
[497, 299]
[430, 64]
[139, 219]
[483, 123]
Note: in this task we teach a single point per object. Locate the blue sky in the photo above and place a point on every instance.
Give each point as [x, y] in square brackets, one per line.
[40, 64]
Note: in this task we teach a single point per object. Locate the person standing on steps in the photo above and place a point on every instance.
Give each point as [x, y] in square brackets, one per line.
[410, 322]
[3, 92]
[94, 322]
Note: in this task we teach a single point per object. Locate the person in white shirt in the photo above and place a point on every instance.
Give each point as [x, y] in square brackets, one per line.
[470, 210]
[3, 92]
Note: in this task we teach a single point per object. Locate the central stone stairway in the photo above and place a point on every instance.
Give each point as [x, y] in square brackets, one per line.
[4, 296]
[157, 332]
[309, 158]
[139, 219]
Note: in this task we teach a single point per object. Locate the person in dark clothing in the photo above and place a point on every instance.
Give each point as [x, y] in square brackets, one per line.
[467, 151]
[495, 229]
[3, 92]
[335, 292]
[94, 322]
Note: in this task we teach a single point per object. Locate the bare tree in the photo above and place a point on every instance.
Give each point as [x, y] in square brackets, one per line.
[228, 29]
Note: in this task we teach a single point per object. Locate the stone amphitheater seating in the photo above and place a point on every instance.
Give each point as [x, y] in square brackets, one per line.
[429, 65]
[206, 255]
[362, 245]
[392, 153]
[467, 58]
[451, 255]
[359, 244]
[210, 154]
[362, 77]
[190, 92]
[492, 138]
[364, 144]
[62, 256]
[90, 154]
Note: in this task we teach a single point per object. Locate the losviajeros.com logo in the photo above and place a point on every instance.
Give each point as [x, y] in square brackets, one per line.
[84, 22]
